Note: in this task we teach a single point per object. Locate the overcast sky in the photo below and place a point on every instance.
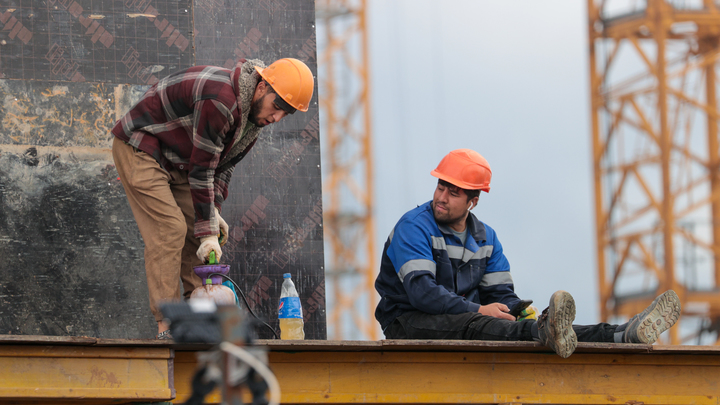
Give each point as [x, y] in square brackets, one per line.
[508, 79]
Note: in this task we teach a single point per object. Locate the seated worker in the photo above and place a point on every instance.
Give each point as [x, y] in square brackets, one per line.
[443, 275]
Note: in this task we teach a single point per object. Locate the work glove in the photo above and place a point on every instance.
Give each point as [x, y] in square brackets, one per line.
[224, 228]
[207, 245]
[528, 313]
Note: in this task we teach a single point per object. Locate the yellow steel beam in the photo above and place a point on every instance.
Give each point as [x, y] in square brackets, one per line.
[412, 372]
[467, 377]
[343, 372]
[86, 374]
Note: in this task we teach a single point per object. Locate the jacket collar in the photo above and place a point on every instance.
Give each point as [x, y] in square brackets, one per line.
[244, 79]
[476, 228]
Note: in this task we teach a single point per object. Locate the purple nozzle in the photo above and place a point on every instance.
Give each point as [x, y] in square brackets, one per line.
[206, 270]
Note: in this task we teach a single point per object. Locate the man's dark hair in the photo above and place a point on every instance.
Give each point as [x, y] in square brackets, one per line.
[469, 193]
[270, 88]
[279, 100]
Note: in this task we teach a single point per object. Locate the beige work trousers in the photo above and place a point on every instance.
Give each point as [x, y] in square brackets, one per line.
[163, 210]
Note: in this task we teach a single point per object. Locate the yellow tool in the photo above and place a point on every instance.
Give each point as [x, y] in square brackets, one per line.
[528, 313]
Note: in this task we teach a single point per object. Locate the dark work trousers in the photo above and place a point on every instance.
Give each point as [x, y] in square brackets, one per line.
[475, 326]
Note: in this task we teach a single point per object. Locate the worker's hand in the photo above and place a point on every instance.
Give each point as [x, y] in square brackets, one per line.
[496, 310]
[207, 245]
[224, 228]
[530, 312]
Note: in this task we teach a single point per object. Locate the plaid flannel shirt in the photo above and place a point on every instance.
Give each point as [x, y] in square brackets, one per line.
[194, 120]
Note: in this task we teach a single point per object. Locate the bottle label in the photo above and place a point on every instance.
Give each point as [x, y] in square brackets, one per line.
[290, 308]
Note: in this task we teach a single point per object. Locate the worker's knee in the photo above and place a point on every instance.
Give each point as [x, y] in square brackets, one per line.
[163, 232]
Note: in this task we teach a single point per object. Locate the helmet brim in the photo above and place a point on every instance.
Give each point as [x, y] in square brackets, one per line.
[459, 183]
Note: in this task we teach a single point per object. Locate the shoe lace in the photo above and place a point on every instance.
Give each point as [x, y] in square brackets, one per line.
[541, 321]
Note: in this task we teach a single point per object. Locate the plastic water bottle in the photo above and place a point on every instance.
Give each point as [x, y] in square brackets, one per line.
[290, 311]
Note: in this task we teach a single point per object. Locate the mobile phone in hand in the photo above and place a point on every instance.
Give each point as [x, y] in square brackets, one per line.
[518, 308]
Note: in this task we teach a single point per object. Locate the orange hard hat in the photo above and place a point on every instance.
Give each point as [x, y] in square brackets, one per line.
[292, 80]
[466, 169]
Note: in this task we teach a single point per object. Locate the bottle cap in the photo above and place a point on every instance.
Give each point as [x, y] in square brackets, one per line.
[286, 275]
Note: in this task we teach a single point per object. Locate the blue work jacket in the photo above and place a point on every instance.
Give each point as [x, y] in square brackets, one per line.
[425, 268]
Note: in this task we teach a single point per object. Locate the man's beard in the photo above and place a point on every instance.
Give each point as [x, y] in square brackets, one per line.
[446, 219]
[255, 110]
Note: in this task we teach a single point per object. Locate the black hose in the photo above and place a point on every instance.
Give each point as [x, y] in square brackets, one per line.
[246, 302]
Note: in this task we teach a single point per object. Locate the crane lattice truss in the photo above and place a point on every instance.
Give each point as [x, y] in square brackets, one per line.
[347, 165]
[656, 162]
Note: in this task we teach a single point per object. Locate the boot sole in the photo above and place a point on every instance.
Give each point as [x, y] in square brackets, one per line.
[663, 315]
[561, 316]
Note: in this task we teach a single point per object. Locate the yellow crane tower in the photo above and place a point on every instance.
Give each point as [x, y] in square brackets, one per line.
[656, 159]
[344, 90]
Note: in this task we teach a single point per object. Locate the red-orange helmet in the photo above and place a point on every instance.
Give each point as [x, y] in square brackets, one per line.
[292, 80]
[466, 169]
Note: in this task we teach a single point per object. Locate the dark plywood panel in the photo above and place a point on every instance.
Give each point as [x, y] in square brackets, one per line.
[68, 69]
[275, 208]
[276, 226]
[110, 41]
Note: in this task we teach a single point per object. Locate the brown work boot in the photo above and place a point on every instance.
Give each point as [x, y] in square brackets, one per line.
[555, 324]
[647, 326]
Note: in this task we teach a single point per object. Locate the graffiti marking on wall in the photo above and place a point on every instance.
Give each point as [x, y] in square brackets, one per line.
[284, 167]
[295, 240]
[246, 48]
[173, 35]
[251, 217]
[60, 66]
[315, 301]
[96, 31]
[16, 28]
[309, 49]
[136, 68]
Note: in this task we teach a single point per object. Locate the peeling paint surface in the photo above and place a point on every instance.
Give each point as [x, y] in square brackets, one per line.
[67, 114]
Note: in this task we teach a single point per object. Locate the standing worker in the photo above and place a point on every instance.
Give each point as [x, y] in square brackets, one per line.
[443, 275]
[176, 149]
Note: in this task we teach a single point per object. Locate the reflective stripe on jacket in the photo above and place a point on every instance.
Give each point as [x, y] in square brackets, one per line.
[425, 268]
